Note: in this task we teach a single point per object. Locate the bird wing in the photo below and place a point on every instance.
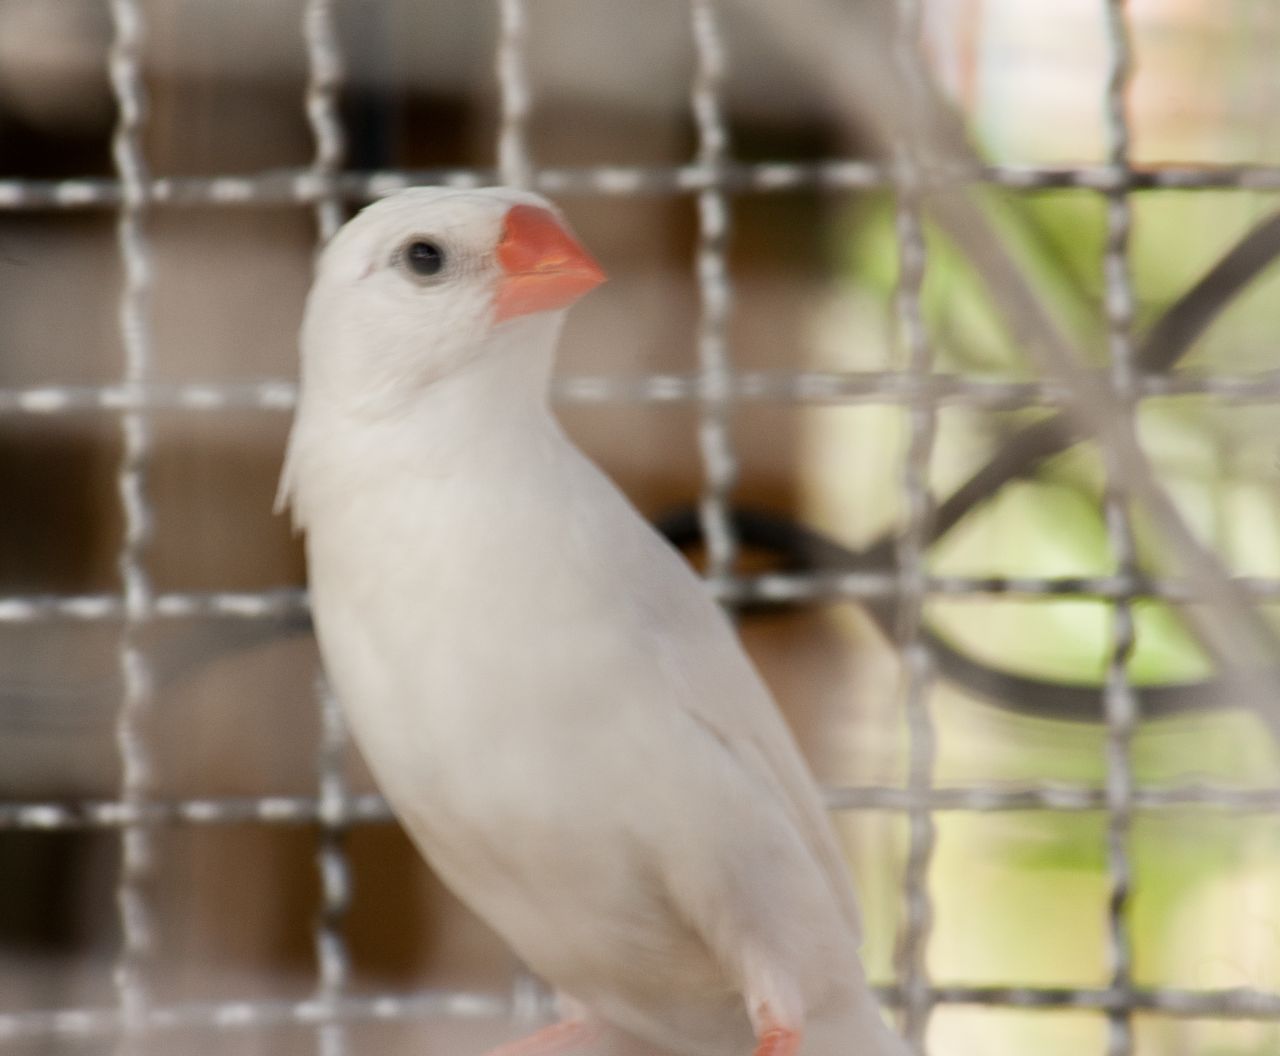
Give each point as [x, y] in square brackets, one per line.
[731, 701]
[716, 683]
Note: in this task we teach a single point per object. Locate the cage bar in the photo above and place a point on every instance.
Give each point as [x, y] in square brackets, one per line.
[324, 86]
[917, 661]
[715, 292]
[137, 851]
[1120, 700]
[300, 187]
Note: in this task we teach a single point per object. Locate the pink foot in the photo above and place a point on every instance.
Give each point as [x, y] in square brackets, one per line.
[776, 1041]
[549, 1041]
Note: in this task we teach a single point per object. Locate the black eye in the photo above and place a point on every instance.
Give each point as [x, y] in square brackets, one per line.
[424, 258]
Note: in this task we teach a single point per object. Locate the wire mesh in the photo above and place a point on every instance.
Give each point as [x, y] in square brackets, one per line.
[136, 917]
[715, 387]
[917, 659]
[1120, 701]
[324, 82]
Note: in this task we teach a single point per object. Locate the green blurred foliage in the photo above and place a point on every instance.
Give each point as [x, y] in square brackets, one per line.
[1219, 465]
[1022, 897]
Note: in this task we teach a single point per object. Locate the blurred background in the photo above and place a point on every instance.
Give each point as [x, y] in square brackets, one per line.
[1022, 859]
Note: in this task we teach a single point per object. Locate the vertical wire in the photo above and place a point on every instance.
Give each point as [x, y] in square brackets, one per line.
[514, 166]
[917, 661]
[324, 84]
[137, 916]
[715, 291]
[530, 999]
[1120, 702]
[332, 955]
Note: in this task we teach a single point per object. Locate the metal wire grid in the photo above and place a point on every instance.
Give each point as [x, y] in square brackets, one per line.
[715, 387]
[1119, 701]
[136, 918]
[324, 81]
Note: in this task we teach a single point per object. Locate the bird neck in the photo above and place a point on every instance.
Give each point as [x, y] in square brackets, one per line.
[499, 390]
[490, 408]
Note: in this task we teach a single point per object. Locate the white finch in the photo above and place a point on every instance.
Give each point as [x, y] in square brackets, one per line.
[554, 706]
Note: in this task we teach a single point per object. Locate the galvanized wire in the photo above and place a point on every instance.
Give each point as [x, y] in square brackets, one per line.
[515, 167]
[771, 587]
[83, 1024]
[137, 764]
[1121, 705]
[917, 661]
[300, 187]
[372, 809]
[872, 387]
[332, 956]
[715, 292]
[324, 86]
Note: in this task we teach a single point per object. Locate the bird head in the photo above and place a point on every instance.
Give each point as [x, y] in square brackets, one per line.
[431, 324]
[428, 281]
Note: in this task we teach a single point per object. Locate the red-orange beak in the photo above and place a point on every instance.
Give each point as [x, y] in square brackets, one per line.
[544, 267]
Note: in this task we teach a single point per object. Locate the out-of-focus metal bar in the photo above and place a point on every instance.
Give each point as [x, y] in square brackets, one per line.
[917, 660]
[371, 809]
[137, 765]
[84, 1023]
[301, 186]
[715, 292]
[324, 86]
[817, 388]
[776, 588]
[515, 167]
[1120, 700]
[325, 73]
[81, 1024]
[334, 815]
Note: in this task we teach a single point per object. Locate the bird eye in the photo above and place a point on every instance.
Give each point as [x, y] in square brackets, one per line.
[423, 258]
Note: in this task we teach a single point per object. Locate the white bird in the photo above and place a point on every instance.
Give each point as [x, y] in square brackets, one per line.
[556, 709]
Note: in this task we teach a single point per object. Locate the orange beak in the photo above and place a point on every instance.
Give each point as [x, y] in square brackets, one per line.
[544, 267]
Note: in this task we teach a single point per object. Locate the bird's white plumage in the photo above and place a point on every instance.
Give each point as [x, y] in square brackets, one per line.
[553, 704]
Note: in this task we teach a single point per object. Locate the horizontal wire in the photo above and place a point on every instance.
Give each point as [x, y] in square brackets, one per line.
[257, 1014]
[786, 588]
[303, 186]
[264, 604]
[371, 809]
[1235, 1003]
[742, 588]
[1051, 796]
[222, 810]
[802, 387]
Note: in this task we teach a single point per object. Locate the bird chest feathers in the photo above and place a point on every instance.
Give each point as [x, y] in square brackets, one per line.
[470, 621]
